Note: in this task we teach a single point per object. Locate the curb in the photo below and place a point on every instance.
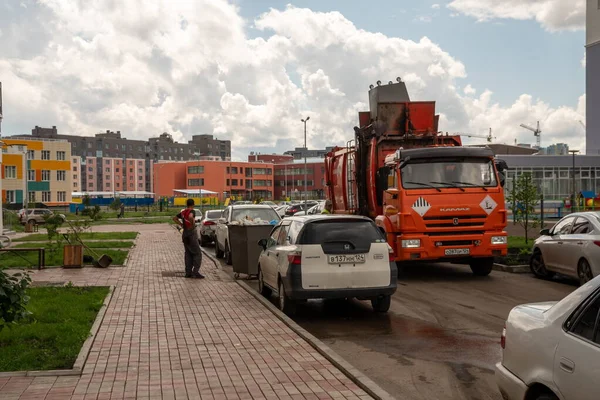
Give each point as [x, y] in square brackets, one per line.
[83, 353]
[513, 269]
[357, 377]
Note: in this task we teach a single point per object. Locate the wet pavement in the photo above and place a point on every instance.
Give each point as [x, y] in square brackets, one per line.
[441, 337]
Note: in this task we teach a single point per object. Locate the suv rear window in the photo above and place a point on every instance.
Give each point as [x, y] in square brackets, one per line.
[265, 214]
[357, 232]
[213, 214]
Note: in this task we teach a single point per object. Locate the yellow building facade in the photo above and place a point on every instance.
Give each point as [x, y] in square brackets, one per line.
[37, 171]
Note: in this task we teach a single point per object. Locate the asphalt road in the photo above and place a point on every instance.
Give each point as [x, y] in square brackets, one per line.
[441, 337]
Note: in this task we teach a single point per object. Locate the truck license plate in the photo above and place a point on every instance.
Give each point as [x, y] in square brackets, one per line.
[456, 252]
[346, 259]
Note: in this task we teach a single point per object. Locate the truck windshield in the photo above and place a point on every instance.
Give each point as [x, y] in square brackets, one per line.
[448, 173]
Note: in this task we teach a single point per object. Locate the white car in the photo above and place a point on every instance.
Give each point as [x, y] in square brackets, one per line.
[571, 247]
[327, 257]
[552, 350]
[206, 226]
[239, 213]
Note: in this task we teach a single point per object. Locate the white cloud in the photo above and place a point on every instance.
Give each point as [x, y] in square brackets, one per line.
[189, 68]
[583, 60]
[435, 6]
[553, 15]
[424, 18]
[469, 90]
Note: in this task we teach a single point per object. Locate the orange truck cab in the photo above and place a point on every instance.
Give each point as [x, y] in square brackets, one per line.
[445, 204]
[435, 200]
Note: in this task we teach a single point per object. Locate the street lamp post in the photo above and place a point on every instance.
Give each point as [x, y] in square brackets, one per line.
[305, 150]
[573, 181]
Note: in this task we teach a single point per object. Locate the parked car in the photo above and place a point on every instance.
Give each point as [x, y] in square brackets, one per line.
[551, 350]
[207, 225]
[268, 203]
[327, 257]
[314, 210]
[294, 208]
[571, 247]
[36, 215]
[237, 213]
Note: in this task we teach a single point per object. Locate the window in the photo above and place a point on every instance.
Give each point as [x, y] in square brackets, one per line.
[75, 185]
[131, 170]
[46, 196]
[90, 185]
[74, 169]
[31, 175]
[61, 155]
[582, 226]
[45, 175]
[140, 178]
[106, 169]
[563, 227]
[61, 196]
[91, 169]
[118, 185]
[45, 154]
[89, 145]
[90, 177]
[140, 185]
[107, 177]
[31, 197]
[234, 182]
[586, 323]
[198, 169]
[74, 176]
[234, 170]
[117, 169]
[61, 176]
[107, 162]
[140, 170]
[227, 182]
[11, 196]
[293, 231]
[10, 172]
[196, 182]
[30, 154]
[259, 171]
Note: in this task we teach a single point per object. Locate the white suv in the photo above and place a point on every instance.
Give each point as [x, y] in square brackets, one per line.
[239, 213]
[551, 350]
[327, 257]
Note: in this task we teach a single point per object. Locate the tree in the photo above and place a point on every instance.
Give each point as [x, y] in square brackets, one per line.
[86, 201]
[525, 197]
[116, 204]
[13, 298]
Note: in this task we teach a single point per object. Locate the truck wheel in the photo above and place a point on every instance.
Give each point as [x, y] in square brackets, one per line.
[381, 304]
[218, 252]
[482, 267]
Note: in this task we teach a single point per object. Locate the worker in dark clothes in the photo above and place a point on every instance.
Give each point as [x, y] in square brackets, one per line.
[193, 253]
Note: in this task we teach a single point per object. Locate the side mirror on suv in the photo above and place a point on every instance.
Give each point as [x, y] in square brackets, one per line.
[545, 232]
[263, 243]
[222, 220]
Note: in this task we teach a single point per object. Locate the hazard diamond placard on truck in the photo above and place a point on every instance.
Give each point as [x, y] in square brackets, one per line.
[421, 206]
[488, 204]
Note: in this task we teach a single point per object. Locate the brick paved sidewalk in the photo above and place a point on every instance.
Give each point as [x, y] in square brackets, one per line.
[175, 338]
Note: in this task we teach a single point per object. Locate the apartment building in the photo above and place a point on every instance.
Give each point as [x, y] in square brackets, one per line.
[37, 171]
[289, 179]
[248, 180]
[301, 152]
[113, 145]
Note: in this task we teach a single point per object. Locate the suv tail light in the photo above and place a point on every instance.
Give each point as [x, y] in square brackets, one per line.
[503, 337]
[208, 223]
[295, 258]
[597, 242]
[391, 253]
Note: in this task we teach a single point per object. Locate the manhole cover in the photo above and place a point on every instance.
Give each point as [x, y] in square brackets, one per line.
[172, 274]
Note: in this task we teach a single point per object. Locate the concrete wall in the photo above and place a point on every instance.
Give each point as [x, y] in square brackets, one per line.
[592, 32]
[593, 100]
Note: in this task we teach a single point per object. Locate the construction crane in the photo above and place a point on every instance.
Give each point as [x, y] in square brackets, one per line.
[537, 132]
[489, 137]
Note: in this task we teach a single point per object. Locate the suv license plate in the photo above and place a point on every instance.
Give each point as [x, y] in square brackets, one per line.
[346, 259]
[457, 252]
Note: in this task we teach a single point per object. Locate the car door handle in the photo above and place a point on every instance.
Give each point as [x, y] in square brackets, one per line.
[579, 242]
[559, 242]
[567, 365]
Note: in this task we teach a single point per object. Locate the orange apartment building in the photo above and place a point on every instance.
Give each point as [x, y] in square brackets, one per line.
[246, 180]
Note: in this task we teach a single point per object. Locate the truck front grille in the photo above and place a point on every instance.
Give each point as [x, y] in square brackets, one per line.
[455, 221]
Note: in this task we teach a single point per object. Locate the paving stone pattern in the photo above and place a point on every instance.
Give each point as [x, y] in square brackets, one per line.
[176, 338]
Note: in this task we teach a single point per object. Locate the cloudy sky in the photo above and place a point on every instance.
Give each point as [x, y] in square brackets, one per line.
[249, 70]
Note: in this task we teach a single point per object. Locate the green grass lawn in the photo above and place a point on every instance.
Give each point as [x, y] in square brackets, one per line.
[108, 244]
[40, 237]
[519, 242]
[29, 260]
[52, 336]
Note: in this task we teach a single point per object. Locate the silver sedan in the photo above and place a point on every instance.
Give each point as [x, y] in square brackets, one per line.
[571, 247]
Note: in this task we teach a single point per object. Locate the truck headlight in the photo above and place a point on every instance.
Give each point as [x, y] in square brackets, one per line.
[499, 240]
[411, 243]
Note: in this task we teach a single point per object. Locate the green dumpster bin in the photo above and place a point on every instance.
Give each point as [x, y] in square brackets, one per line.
[245, 249]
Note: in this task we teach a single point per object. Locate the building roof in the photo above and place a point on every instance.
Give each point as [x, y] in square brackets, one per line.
[194, 191]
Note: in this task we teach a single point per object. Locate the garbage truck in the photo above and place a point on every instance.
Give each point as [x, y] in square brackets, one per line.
[434, 199]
